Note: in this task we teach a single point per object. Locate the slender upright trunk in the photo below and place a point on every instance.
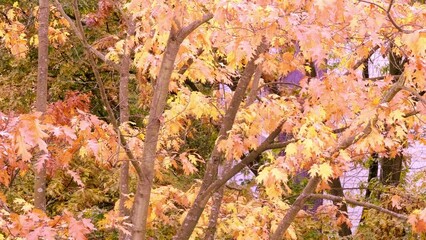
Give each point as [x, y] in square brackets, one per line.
[41, 98]
[391, 168]
[144, 183]
[337, 190]
[211, 172]
[143, 192]
[218, 195]
[124, 117]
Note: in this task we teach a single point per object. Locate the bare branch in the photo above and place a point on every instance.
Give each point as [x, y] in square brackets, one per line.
[387, 11]
[255, 82]
[184, 32]
[415, 93]
[370, 53]
[80, 35]
[78, 30]
[359, 203]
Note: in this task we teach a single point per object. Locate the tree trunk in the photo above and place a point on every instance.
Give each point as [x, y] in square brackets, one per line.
[41, 98]
[143, 192]
[218, 196]
[211, 172]
[391, 167]
[144, 183]
[337, 190]
[214, 214]
[391, 170]
[124, 117]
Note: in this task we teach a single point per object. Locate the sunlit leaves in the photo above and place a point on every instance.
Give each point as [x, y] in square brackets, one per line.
[323, 170]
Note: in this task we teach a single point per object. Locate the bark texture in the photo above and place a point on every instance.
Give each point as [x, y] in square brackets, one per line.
[124, 116]
[41, 98]
[144, 184]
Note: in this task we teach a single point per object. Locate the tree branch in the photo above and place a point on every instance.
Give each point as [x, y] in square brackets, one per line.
[185, 31]
[358, 203]
[80, 35]
[370, 53]
[100, 83]
[387, 11]
[243, 163]
[314, 181]
[295, 208]
[415, 93]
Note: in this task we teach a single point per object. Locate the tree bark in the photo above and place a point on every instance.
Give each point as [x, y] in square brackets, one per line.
[214, 214]
[295, 208]
[41, 98]
[124, 117]
[143, 192]
[144, 184]
[392, 167]
[337, 190]
[218, 196]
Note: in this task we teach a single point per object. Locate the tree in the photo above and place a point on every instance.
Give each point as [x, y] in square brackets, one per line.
[195, 61]
[41, 100]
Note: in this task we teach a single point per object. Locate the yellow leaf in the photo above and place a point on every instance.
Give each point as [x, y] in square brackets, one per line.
[291, 149]
[25, 205]
[291, 233]
[128, 203]
[324, 170]
[344, 154]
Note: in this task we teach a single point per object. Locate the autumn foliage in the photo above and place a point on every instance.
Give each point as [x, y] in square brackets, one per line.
[190, 96]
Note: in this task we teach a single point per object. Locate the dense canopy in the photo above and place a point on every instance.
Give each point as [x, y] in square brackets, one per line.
[140, 118]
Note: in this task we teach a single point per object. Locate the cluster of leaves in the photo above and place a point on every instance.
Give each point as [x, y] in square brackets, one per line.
[54, 138]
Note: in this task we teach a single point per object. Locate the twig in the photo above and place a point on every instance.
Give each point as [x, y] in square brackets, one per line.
[370, 53]
[387, 11]
[415, 93]
[359, 203]
[80, 35]
[78, 28]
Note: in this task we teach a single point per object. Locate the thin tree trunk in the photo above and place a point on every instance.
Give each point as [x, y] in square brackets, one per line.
[41, 98]
[144, 184]
[345, 143]
[214, 214]
[337, 190]
[124, 117]
[295, 208]
[143, 192]
[391, 168]
[211, 172]
[218, 196]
